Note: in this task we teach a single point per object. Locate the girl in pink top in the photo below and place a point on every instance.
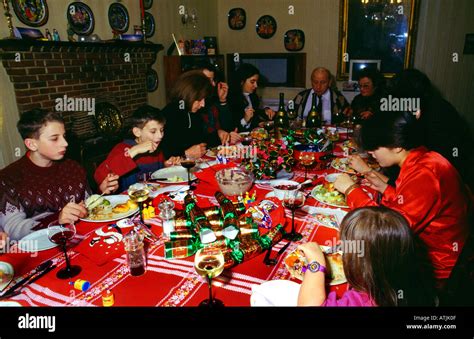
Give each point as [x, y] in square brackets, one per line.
[389, 269]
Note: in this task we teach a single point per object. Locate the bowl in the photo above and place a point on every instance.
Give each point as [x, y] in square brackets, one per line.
[234, 180]
[281, 187]
[300, 150]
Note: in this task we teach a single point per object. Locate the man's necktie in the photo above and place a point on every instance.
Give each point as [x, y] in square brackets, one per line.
[319, 108]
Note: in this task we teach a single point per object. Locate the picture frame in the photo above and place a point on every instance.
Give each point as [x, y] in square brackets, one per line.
[33, 14]
[119, 20]
[377, 30]
[237, 19]
[80, 18]
[151, 80]
[149, 25]
[28, 33]
[294, 40]
[266, 26]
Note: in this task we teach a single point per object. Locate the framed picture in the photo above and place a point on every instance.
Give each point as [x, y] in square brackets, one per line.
[147, 4]
[377, 30]
[151, 80]
[27, 33]
[149, 25]
[266, 27]
[118, 17]
[80, 18]
[294, 40]
[31, 13]
[236, 18]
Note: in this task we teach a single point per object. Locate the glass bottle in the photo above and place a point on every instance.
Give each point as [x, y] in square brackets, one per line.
[313, 120]
[281, 119]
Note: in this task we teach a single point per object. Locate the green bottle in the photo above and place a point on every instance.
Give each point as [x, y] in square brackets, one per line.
[281, 119]
[313, 120]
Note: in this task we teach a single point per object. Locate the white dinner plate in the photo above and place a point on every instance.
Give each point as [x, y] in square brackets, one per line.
[115, 200]
[313, 194]
[282, 175]
[7, 270]
[10, 304]
[172, 172]
[178, 192]
[275, 293]
[36, 241]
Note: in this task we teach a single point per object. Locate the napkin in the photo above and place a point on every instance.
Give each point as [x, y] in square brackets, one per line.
[275, 293]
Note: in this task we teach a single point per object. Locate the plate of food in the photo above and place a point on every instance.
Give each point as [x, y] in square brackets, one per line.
[295, 261]
[172, 175]
[6, 274]
[342, 164]
[329, 217]
[328, 195]
[109, 208]
[259, 133]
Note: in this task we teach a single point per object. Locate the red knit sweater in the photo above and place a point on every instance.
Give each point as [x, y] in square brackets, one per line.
[32, 196]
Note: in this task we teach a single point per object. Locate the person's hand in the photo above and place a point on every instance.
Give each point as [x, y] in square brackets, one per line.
[347, 111]
[358, 164]
[109, 184]
[72, 212]
[270, 113]
[366, 115]
[222, 90]
[373, 181]
[143, 147]
[173, 161]
[196, 151]
[343, 182]
[248, 115]
[223, 136]
[313, 252]
[234, 137]
[3, 239]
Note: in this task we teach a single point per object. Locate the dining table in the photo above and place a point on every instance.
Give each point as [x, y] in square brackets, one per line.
[174, 281]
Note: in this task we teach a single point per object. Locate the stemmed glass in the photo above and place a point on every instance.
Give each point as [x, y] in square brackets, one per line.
[60, 234]
[139, 193]
[306, 160]
[209, 263]
[293, 200]
[189, 163]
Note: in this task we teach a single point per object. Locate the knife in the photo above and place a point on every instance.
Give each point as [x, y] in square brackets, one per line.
[41, 268]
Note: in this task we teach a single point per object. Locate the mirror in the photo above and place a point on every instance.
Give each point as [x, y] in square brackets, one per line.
[377, 30]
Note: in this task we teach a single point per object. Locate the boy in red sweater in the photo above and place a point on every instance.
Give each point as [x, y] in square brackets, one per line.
[135, 158]
[42, 187]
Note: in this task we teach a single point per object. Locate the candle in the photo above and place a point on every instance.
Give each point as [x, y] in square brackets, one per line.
[142, 10]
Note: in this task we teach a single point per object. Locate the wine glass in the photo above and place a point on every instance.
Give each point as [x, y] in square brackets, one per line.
[139, 193]
[209, 263]
[293, 200]
[268, 125]
[60, 234]
[189, 163]
[306, 160]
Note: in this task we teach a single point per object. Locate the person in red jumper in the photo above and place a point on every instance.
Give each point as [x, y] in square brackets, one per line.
[41, 187]
[133, 159]
[428, 192]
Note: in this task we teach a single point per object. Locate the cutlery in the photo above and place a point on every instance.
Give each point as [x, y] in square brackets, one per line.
[41, 268]
[272, 261]
[95, 200]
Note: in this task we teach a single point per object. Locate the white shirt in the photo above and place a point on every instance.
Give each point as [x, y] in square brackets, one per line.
[326, 114]
[242, 121]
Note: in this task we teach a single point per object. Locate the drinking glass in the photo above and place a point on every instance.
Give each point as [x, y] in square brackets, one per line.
[306, 160]
[209, 263]
[60, 234]
[189, 163]
[139, 193]
[293, 200]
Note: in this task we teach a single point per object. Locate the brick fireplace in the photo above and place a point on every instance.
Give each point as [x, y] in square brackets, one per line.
[42, 72]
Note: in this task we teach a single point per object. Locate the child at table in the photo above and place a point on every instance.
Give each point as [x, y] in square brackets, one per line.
[390, 271]
[135, 158]
[42, 187]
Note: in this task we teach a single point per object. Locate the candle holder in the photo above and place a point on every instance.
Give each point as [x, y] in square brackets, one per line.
[8, 15]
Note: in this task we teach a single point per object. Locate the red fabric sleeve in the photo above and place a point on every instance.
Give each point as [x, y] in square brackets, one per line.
[117, 161]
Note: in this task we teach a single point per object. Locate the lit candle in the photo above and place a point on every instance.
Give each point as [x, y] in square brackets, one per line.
[142, 10]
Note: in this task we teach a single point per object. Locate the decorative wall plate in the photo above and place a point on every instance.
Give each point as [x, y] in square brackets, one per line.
[80, 18]
[108, 118]
[118, 17]
[149, 25]
[151, 80]
[294, 40]
[31, 13]
[266, 26]
[236, 18]
[147, 4]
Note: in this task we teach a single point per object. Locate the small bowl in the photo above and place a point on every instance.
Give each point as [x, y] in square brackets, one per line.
[234, 180]
[280, 187]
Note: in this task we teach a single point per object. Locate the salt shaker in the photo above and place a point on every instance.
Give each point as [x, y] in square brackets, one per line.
[167, 214]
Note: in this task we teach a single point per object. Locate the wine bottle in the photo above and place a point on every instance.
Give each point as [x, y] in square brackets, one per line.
[281, 119]
[313, 119]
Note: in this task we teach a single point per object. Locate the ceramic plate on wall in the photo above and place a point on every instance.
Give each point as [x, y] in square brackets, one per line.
[149, 25]
[151, 80]
[31, 13]
[80, 18]
[236, 18]
[147, 4]
[266, 27]
[294, 40]
[118, 17]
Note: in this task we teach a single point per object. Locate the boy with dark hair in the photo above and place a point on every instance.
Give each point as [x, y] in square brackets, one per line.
[42, 187]
[135, 158]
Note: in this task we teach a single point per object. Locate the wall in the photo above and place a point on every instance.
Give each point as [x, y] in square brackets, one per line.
[443, 25]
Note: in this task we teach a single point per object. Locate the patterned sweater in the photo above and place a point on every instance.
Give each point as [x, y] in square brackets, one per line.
[31, 197]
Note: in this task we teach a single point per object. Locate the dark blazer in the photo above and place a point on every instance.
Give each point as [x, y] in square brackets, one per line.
[238, 104]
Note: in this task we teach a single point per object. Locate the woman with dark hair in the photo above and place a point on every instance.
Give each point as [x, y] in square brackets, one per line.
[184, 130]
[382, 262]
[367, 103]
[243, 100]
[428, 192]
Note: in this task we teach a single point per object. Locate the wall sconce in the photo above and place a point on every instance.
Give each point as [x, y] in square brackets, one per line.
[189, 18]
